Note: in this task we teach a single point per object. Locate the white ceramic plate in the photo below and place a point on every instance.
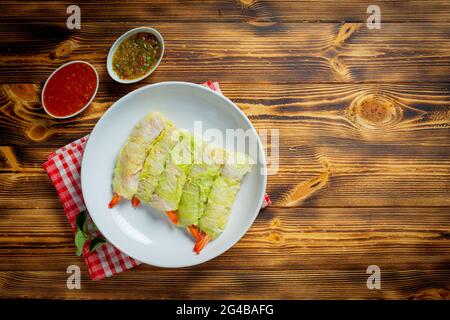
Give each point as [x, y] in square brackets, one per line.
[145, 233]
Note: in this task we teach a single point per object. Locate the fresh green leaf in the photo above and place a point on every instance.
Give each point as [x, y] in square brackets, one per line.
[80, 239]
[80, 220]
[96, 243]
[85, 225]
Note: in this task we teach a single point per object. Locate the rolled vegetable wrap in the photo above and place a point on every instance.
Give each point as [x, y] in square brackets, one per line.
[177, 167]
[155, 162]
[200, 180]
[223, 192]
[133, 153]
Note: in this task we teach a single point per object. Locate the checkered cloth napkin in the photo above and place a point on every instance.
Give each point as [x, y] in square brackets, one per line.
[63, 167]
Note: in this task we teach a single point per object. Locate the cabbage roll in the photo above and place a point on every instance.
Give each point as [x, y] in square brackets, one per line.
[133, 153]
[223, 192]
[198, 185]
[155, 162]
[177, 167]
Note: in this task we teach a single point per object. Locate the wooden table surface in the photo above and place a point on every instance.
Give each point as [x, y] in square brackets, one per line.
[364, 122]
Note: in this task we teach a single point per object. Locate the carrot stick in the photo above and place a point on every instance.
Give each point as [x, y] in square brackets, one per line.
[201, 243]
[135, 202]
[193, 230]
[172, 216]
[114, 200]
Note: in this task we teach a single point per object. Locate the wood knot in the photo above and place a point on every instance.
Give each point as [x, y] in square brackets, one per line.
[246, 3]
[9, 159]
[97, 108]
[258, 14]
[345, 32]
[40, 130]
[432, 294]
[306, 189]
[63, 50]
[275, 223]
[340, 71]
[24, 94]
[276, 238]
[374, 111]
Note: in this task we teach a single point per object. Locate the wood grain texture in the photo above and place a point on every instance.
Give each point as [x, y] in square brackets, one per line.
[240, 52]
[313, 238]
[344, 145]
[326, 114]
[251, 11]
[364, 154]
[229, 284]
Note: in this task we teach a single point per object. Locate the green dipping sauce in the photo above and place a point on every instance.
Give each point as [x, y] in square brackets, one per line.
[136, 55]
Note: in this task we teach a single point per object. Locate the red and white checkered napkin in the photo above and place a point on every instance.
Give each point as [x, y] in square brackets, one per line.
[63, 167]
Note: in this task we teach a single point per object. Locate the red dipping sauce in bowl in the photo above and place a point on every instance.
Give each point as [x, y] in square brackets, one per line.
[70, 89]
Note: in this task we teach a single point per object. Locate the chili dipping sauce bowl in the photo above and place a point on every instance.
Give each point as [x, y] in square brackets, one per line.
[70, 89]
[125, 36]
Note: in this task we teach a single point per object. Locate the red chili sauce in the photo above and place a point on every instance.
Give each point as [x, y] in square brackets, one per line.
[70, 89]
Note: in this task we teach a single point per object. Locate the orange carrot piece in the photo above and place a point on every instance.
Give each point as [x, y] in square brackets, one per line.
[193, 230]
[135, 202]
[202, 243]
[114, 200]
[172, 216]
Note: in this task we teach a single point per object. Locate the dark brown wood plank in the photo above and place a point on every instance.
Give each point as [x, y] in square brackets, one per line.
[290, 189]
[195, 284]
[369, 158]
[251, 11]
[319, 114]
[239, 52]
[294, 238]
[354, 177]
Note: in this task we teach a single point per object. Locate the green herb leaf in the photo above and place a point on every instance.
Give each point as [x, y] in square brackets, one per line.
[96, 243]
[85, 225]
[80, 220]
[80, 239]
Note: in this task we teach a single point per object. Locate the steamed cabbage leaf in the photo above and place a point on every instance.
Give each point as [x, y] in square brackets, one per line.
[177, 167]
[198, 186]
[223, 193]
[155, 162]
[133, 153]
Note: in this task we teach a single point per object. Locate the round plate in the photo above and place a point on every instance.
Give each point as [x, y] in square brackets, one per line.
[145, 233]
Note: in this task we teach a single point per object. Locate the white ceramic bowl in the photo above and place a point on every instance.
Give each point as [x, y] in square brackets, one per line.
[145, 233]
[123, 37]
[85, 106]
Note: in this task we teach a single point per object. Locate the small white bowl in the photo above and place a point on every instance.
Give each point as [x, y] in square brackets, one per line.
[85, 106]
[123, 37]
